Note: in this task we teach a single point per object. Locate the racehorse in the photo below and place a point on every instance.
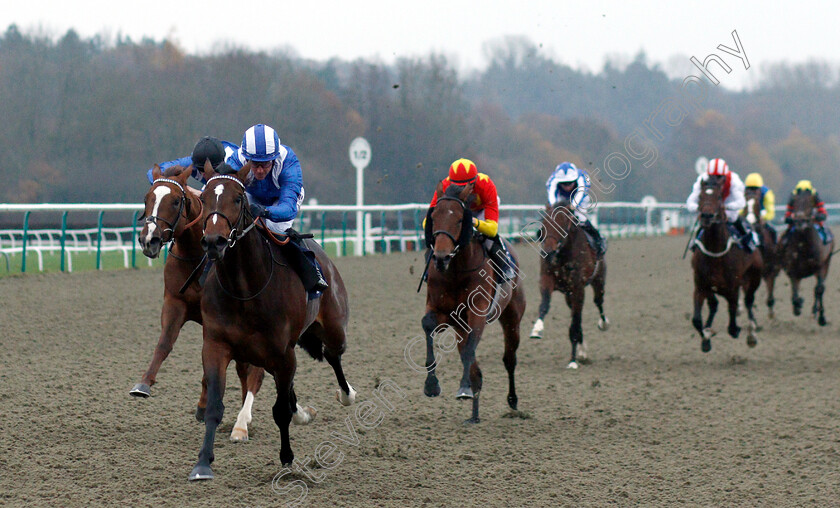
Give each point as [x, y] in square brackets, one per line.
[255, 309]
[767, 244]
[568, 264]
[172, 214]
[462, 294]
[720, 269]
[804, 254]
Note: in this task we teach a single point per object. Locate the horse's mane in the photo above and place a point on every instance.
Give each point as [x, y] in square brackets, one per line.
[173, 171]
[453, 191]
[225, 169]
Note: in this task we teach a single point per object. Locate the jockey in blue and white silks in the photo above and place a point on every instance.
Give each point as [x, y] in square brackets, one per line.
[207, 148]
[572, 183]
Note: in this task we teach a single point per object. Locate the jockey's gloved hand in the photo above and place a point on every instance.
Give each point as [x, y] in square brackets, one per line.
[819, 217]
[258, 210]
[788, 220]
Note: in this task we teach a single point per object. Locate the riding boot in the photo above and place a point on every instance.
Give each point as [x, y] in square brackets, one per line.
[502, 264]
[600, 241]
[745, 234]
[303, 262]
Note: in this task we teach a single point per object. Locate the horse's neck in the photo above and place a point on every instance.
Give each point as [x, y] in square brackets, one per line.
[247, 259]
[716, 235]
[188, 240]
[470, 256]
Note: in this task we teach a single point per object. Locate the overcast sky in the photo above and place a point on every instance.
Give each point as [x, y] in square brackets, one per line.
[580, 33]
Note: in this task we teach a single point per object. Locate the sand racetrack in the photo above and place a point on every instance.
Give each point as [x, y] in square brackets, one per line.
[651, 421]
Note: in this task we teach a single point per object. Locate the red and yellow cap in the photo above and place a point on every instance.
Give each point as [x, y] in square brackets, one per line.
[462, 172]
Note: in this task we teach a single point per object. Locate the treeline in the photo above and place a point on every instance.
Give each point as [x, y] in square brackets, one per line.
[82, 119]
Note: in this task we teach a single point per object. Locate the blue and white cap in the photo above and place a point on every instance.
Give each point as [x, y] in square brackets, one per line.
[260, 143]
[566, 172]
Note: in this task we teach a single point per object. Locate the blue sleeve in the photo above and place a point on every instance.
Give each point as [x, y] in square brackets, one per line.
[183, 161]
[290, 183]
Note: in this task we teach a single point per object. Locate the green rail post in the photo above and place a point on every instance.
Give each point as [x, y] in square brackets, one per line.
[63, 237]
[134, 240]
[25, 234]
[382, 235]
[344, 233]
[323, 228]
[99, 241]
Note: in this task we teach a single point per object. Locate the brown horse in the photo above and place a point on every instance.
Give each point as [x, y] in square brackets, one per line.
[255, 309]
[804, 254]
[462, 294]
[172, 214]
[568, 264]
[767, 244]
[718, 268]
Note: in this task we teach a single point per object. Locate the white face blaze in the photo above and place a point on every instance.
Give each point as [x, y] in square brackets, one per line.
[218, 191]
[159, 193]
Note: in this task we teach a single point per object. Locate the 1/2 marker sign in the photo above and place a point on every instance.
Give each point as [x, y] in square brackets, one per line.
[359, 153]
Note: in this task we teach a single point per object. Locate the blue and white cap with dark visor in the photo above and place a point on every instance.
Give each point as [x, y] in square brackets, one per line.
[260, 143]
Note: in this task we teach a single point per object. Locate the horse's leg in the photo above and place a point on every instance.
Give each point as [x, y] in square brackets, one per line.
[546, 286]
[282, 410]
[202, 401]
[251, 379]
[430, 322]
[575, 301]
[215, 357]
[770, 283]
[732, 299]
[509, 320]
[697, 320]
[598, 284]
[712, 302]
[471, 381]
[173, 315]
[754, 280]
[819, 290]
[335, 340]
[795, 298]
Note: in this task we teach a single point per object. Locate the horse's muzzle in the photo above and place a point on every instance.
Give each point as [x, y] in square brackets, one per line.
[442, 261]
[214, 246]
[151, 247]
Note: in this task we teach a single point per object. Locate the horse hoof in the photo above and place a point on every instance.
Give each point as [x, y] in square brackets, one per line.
[771, 315]
[797, 311]
[141, 390]
[472, 421]
[752, 341]
[734, 331]
[432, 388]
[239, 435]
[572, 365]
[536, 332]
[464, 394]
[706, 345]
[286, 457]
[346, 399]
[512, 401]
[201, 473]
[199, 414]
[304, 415]
[821, 321]
[603, 324]
[536, 335]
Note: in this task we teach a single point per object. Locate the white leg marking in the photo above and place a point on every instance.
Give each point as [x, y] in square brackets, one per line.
[240, 428]
[346, 400]
[603, 324]
[582, 354]
[572, 365]
[536, 332]
[303, 415]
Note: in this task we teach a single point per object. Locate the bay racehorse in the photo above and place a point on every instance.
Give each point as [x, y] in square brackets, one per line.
[172, 215]
[462, 295]
[568, 264]
[804, 254]
[767, 244]
[255, 309]
[720, 269]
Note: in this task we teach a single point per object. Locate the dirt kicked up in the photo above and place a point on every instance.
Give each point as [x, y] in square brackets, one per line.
[650, 421]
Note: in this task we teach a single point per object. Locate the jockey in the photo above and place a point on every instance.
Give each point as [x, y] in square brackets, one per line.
[733, 199]
[572, 183]
[819, 212]
[485, 208]
[274, 187]
[767, 203]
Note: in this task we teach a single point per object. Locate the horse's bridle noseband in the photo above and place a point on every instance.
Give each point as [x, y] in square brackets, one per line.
[152, 219]
[447, 233]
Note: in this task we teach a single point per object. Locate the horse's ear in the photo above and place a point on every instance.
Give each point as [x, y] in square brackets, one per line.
[244, 172]
[209, 172]
[466, 194]
[439, 190]
[156, 172]
[184, 175]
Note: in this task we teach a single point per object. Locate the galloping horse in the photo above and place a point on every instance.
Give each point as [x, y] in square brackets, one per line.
[767, 237]
[718, 268]
[173, 213]
[804, 254]
[568, 264]
[462, 294]
[255, 309]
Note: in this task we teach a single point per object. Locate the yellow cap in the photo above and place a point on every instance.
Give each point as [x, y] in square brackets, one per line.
[804, 185]
[754, 180]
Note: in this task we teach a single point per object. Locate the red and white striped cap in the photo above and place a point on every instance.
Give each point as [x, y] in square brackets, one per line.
[718, 167]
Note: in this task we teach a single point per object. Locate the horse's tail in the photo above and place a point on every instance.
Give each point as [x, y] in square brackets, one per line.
[312, 344]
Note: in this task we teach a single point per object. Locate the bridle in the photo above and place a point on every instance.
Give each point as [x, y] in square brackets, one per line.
[553, 255]
[456, 241]
[233, 236]
[153, 219]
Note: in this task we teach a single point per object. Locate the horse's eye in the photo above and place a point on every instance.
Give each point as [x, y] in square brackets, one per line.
[176, 203]
[238, 200]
